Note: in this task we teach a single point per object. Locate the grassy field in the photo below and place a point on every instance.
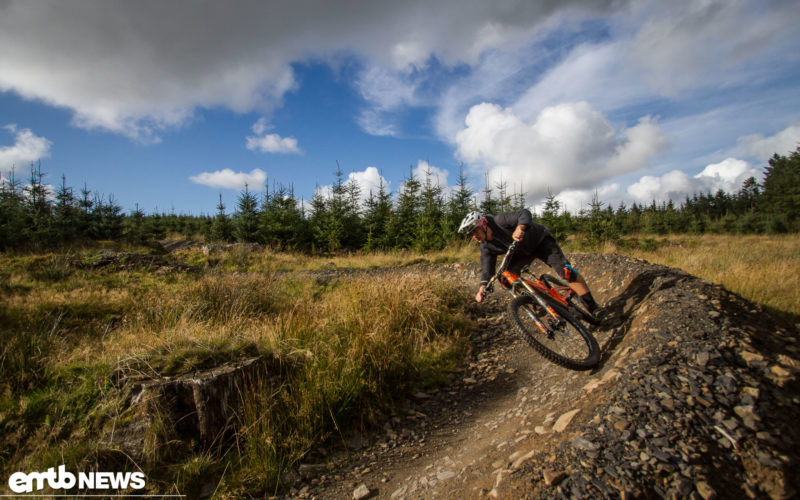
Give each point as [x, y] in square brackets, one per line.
[70, 332]
[763, 269]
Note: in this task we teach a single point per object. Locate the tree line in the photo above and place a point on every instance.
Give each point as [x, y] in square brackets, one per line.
[420, 216]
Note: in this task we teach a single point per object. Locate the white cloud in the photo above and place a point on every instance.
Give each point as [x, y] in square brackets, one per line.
[438, 176]
[783, 143]
[727, 175]
[367, 180]
[130, 68]
[228, 179]
[27, 148]
[643, 51]
[375, 122]
[569, 146]
[679, 45]
[672, 185]
[270, 143]
[273, 143]
[575, 200]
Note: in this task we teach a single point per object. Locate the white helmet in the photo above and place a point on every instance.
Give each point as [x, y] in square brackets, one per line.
[470, 222]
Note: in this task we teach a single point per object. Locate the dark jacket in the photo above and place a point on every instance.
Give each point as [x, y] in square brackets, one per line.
[503, 226]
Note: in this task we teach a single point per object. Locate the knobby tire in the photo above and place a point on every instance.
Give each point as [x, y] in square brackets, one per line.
[584, 352]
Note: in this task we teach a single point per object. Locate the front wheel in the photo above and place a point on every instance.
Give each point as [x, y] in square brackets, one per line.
[567, 342]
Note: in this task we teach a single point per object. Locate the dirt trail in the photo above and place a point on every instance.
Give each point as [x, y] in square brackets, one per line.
[674, 410]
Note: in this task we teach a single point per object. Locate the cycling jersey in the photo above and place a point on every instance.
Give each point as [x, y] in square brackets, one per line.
[536, 243]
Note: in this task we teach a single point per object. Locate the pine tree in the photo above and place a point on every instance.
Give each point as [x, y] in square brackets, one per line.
[600, 226]
[38, 215]
[354, 233]
[503, 201]
[430, 231]
[155, 226]
[107, 218]
[318, 222]
[461, 203]
[404, 222]
[283, 223]
[221, 228]
[782, 191]
[134, 226]
[13, 229]
[85, 210]
[245, 221]
[337, 210]
[65, 214]
[377, 217]
[552, 217]
[489, 205]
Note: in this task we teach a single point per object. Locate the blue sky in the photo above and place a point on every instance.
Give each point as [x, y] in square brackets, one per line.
[168, 104]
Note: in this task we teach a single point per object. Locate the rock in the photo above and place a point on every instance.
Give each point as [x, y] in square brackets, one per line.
[745, 412]
[361, 492]
[356, 442]
[780, 371]
[521, 460]
[307, 471]
[445, 475]
[621, 425]
[705, 490]
[552, 477]
[750, 358]
[399, 492]
[594, 384]
[583, 444]
[564, 420]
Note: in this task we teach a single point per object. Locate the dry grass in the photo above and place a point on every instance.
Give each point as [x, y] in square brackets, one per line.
[357, 344]
[764, 269]
[275, 261]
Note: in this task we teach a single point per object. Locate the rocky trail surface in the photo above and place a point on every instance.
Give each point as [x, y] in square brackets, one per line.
[696, 397]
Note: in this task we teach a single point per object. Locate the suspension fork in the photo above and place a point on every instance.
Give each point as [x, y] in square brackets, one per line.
[547, 307]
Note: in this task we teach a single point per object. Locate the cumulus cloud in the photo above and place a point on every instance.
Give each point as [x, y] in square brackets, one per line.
[680, 44]
[28, 147]
[727, 175]
[640, 53]
[147, 66]
[270, 143]
[575, 200]
[228, 179]
[438, 176]
[784, 142]
[568, 146]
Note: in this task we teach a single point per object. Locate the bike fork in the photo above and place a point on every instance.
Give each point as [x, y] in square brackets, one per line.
[547, 331]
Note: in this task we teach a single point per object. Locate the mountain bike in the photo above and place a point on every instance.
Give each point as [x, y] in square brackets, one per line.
[541, 314]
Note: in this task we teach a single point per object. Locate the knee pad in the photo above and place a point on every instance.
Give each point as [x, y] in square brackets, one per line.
[569, 273]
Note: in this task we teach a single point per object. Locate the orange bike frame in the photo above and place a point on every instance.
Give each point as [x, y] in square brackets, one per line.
[537, 284]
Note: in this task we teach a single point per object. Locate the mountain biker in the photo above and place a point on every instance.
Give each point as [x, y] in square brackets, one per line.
[496, 232]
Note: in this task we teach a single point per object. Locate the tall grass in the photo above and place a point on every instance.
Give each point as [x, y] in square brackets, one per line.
[354, 345]
[763, 269]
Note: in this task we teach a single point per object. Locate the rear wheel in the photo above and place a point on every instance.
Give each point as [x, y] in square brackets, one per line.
[567, 342]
